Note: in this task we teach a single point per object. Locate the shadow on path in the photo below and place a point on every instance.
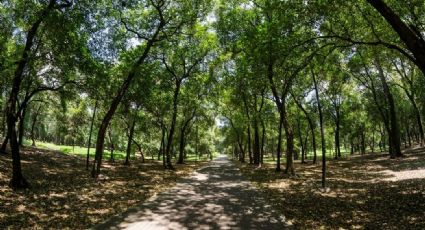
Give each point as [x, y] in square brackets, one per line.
[214, 197]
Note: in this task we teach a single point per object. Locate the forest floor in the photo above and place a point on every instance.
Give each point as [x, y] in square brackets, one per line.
[216, 196]
[365, 192]
[63, 195]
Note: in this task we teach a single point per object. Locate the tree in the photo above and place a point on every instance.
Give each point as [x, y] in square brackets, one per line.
[18, 181]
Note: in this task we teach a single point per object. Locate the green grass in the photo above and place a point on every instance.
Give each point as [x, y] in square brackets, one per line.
[118, 155]
[330, 154]
[75, 150]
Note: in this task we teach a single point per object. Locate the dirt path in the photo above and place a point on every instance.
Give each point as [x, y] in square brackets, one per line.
[214, 197]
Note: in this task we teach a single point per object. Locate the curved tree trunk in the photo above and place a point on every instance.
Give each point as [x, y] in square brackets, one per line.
[117, 100]
[18, 181]
[414, 43]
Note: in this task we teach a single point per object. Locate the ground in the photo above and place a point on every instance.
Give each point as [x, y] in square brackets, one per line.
[63, 195]
[366, 192]
[217, 196]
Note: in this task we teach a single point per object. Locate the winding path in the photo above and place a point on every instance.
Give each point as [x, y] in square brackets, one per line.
[217, 196]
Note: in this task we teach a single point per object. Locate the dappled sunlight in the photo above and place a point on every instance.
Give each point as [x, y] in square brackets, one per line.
[405, 175]
[214, 197]
[366, 191]
[62, 192]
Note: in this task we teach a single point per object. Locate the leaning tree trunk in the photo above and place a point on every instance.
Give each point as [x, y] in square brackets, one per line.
[407, 34]
[100, 142]
[18, 181]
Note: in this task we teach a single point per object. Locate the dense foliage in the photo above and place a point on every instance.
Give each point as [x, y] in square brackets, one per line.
[260, 80]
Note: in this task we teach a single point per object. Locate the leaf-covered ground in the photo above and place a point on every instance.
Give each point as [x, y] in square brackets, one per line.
[64, 196]
[366, 192]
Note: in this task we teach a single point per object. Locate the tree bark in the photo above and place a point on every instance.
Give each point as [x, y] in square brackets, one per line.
[414, 41]
[263, 140]
[310, 124]
[337, 130]
[394, 126]
[173, 125]
[117, 100]
[4, 145]
[289, 144]
[34, 121]
[181, 147]
[111, 145]
[21, 125]
[90, 135]
[130, 139]
[322, 131]
[18, 181]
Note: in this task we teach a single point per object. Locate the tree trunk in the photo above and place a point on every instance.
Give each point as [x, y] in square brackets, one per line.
[130, 139]
[289, 144]
[300, 137]
[395, 129]
[257, 148]
[173, 125]
[21, 125]
[337, 130]
[263, 140]
[117, 100]
[181, 147]
[249, 144]
[408, 35]
[322, 131]
[34, 121]
[279, 143]
[419, 121]
[311, 125]
[161, 146]
[111, 145]
[18, 181]
[4, 145]
[90, 135]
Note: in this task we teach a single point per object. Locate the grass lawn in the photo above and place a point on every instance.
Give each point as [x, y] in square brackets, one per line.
[118, 155]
